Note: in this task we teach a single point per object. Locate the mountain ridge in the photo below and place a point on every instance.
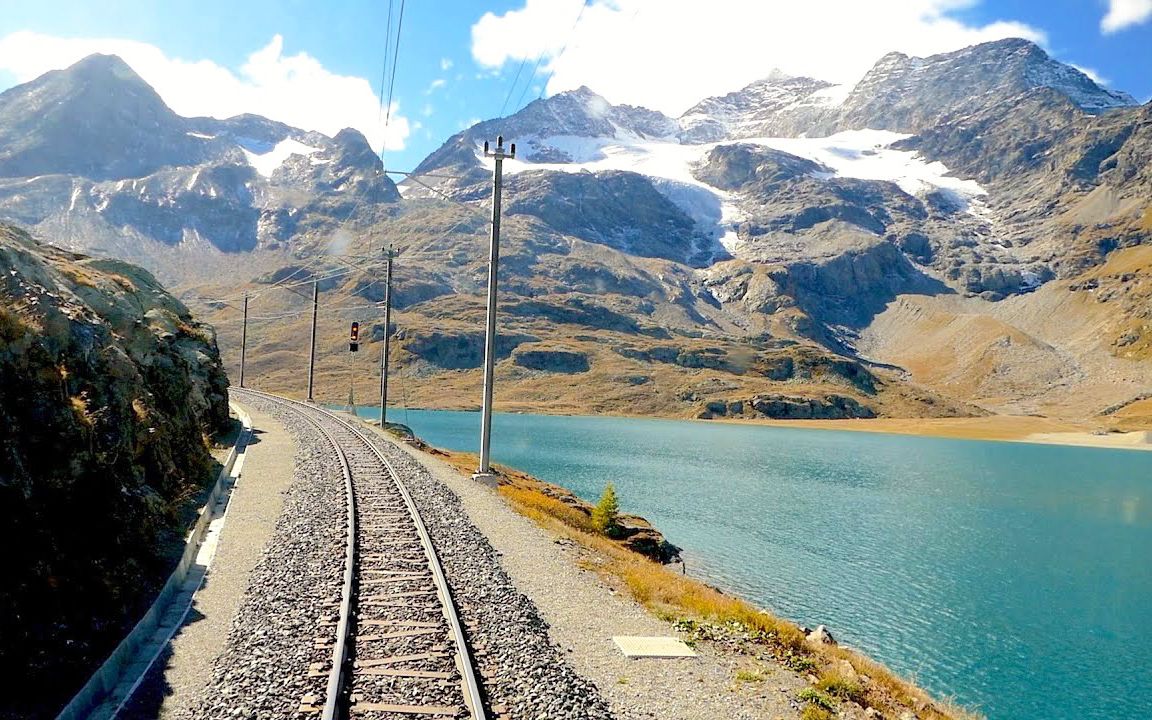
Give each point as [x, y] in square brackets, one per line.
[624, 221]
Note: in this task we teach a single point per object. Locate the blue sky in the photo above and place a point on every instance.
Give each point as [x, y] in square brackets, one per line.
[457, 58]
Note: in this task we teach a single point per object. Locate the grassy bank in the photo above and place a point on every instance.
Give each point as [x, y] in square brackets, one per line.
[839, 678]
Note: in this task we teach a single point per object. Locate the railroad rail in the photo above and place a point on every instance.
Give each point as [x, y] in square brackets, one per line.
[399, 649]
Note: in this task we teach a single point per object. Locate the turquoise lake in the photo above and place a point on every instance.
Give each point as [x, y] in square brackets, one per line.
[1016, 578]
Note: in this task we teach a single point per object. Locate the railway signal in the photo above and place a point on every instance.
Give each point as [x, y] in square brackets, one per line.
[354, 338]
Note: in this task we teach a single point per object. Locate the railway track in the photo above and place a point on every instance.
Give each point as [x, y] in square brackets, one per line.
[398, 649]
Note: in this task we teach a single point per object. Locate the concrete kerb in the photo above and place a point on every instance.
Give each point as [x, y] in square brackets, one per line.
[108, 676]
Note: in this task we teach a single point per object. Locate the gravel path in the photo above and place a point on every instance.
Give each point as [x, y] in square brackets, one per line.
[176, 680]
[292, 593]
[583, 614]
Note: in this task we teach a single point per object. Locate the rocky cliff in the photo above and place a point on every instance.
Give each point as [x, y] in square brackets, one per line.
[108, 391]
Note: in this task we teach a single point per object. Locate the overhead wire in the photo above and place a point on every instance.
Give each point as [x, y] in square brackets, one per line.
[512, 87]
[384, 69]
[564, 48]
[395, 62]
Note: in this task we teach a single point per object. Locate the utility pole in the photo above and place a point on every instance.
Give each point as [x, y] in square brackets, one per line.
[499, 155]
[244, 341]
[312, 342]
[384, 349]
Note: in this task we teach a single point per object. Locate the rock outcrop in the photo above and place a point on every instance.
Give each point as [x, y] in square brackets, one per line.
[108, 389]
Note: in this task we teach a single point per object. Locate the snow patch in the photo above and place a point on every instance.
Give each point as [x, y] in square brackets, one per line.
[267, 162]
[860, 154]
[867, 155]
[202, 136]
[832, 96]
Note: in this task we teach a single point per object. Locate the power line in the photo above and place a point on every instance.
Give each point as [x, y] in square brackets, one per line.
[384, 68]
[445, 196]
[395, 62]
[512, 87]
[564, 48]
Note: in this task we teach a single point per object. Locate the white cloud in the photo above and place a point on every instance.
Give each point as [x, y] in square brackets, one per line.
[445, 64]
[1095, 76]
[294, 89]
[1125, 13]
[435, 85]
[677, 52]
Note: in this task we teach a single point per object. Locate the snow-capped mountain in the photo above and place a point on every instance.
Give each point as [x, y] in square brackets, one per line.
[859, 142]
[792, 210]
[909, 94]
[776, 106]
[93, 153]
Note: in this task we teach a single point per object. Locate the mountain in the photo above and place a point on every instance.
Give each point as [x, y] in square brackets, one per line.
[93, 156]
[768, 252]
[777, 106]
[108, 389]
[97, 120]
[910, 94]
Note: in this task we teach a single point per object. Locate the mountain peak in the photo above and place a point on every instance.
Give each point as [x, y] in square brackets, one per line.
[100, 62]
[908, 94]
[97, 119]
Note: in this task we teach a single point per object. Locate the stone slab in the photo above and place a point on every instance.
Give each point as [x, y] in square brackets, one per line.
[636, 646]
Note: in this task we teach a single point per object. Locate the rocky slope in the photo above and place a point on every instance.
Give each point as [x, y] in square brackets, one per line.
[108, 389]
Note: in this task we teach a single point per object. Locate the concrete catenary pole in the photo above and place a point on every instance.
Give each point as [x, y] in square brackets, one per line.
[384, 349]
[312, 341]
[244, 340]
[493, 270]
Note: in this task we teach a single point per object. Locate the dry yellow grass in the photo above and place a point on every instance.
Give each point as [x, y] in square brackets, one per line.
[80, 410]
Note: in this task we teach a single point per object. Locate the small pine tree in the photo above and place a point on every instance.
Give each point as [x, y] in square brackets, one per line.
[604, 514]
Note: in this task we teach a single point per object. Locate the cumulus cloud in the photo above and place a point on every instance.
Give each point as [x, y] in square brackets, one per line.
[294, 89]
[668, 54]
[1125, 13]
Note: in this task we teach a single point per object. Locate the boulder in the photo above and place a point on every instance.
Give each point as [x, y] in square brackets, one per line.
[821, 636]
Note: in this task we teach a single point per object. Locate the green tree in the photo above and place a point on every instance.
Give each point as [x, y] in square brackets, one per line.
[605, 512]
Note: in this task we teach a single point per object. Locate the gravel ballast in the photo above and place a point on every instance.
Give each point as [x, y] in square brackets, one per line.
[540, 627]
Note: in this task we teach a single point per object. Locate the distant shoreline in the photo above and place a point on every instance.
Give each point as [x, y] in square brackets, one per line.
[1000, 428]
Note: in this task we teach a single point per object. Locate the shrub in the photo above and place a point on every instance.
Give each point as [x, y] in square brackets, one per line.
[839, 687]
[815, 712]
[606, 511]
[815, 697]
